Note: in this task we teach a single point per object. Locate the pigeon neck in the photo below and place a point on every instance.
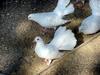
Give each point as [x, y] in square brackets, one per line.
[40, 43]
[36, 17]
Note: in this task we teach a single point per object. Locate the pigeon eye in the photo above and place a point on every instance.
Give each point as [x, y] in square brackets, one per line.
[29, 17]
[37, 39]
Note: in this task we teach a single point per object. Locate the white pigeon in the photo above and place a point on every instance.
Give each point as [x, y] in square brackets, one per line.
[55, 17]
[92, 23]
[63, 40]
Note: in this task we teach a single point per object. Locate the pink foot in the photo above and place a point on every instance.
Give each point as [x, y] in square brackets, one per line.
[48, 61]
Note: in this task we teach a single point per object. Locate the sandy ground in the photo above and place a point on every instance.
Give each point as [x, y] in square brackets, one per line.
[17, 33]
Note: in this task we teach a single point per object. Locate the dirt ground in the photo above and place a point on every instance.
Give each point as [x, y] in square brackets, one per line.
[17, 33]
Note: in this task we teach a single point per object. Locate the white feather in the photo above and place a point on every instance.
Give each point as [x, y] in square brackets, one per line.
[63, 39]
[54, 18]
[92, 23]
[95, 7]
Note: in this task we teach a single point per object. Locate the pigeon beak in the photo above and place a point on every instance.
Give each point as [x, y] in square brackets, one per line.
[29, 17]
[33, 44]
[34, 41]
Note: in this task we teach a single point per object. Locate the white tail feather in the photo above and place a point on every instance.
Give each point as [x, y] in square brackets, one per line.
[63, 39]
[61, 8]
[69, 9]
[60, 30]
[62, 4]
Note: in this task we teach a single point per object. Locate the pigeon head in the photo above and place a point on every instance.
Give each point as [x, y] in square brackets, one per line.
[31, 16]
[38, 39]
[34, 17]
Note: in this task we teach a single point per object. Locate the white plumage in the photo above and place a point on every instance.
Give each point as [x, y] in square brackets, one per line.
[54, 18]
[92, 23]
[63, 40]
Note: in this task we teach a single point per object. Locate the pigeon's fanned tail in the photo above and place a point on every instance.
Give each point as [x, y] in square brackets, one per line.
[62, 3]
[69, 9]
[69, 42]
[60, 30]
[64, 8]
[95, 6]
[64, 39]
